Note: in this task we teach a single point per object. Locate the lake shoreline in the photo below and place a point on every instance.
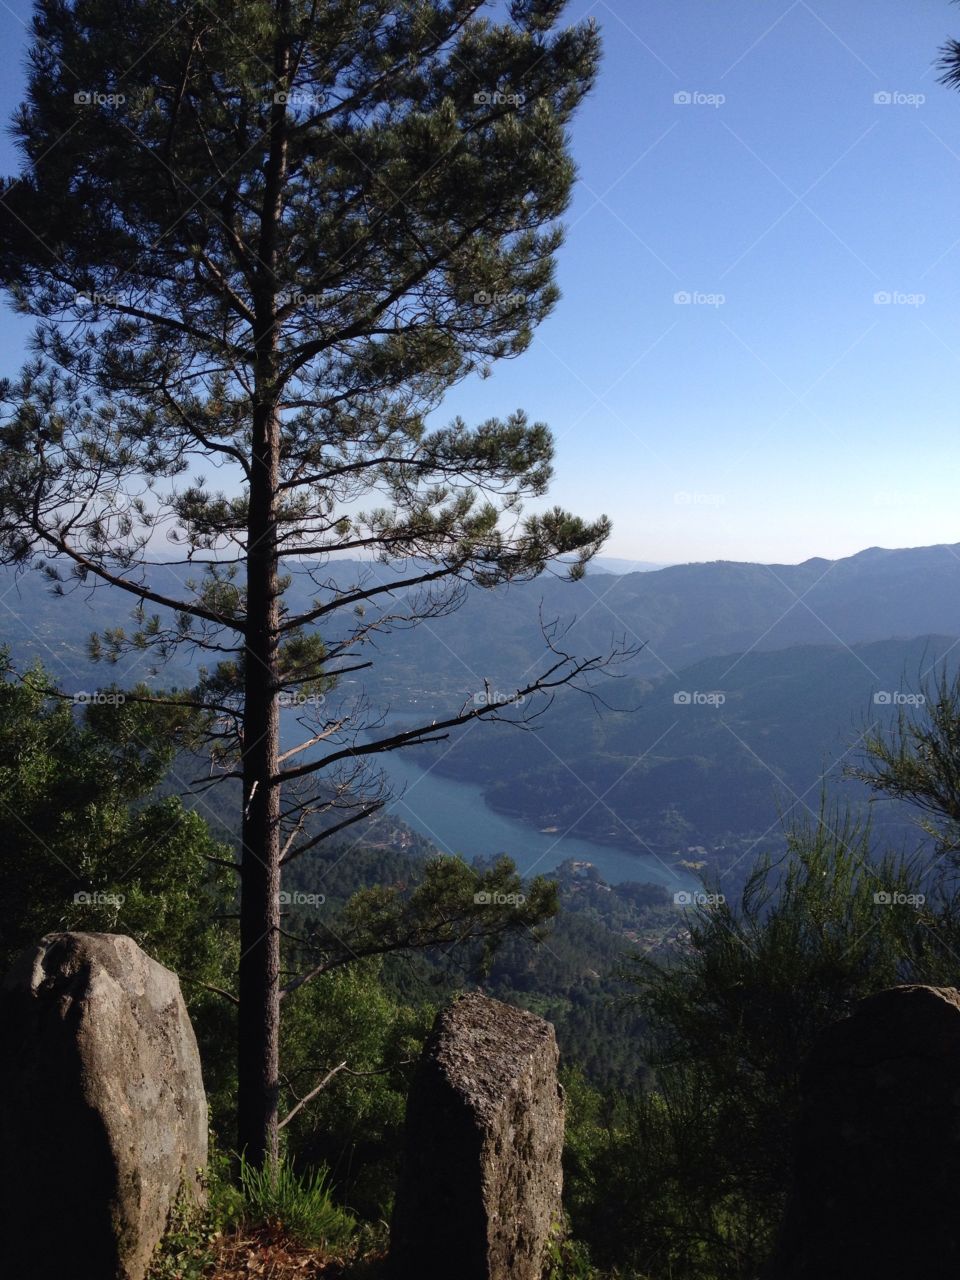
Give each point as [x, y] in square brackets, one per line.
[458, 818]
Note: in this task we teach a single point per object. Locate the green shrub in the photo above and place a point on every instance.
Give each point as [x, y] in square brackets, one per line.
[566, 1258]
[189, 1246]
[301, 1205]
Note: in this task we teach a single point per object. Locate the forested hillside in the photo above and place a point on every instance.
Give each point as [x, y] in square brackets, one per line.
[715, 756]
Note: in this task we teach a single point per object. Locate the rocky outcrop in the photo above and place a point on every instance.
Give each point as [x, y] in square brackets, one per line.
[480, 1185]
[877, 1172]
[103, 1118]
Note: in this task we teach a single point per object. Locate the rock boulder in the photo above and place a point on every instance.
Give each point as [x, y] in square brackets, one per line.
[481, 1178]
[103, 1117]
[877, 1152]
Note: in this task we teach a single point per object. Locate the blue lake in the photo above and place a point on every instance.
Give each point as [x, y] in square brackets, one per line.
[455, 816]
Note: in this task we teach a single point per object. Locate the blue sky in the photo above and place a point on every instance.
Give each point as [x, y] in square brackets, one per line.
[805, 400]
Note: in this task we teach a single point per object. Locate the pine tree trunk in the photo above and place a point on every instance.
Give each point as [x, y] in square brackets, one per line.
[258, 1054]
[259, 976]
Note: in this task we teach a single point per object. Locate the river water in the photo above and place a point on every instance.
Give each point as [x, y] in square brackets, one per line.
[455, 816]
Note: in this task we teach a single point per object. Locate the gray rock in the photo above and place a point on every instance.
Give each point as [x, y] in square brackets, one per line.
[877, 1148]
[481, 1177]
[103, 1117]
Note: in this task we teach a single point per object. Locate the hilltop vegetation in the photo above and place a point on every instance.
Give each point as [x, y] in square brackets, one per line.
[681, 1034]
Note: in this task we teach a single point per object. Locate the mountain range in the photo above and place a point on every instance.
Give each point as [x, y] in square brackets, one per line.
[750, 683]
[679, 615]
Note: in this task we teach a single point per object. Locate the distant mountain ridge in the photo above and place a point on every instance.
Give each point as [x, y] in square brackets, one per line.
[685, 613]
[617, 565]
[679, 615]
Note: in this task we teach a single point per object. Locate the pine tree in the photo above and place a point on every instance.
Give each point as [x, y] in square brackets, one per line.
[261, 240]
